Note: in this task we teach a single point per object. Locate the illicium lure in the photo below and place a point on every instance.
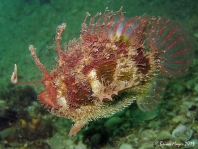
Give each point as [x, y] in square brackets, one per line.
[113, 62]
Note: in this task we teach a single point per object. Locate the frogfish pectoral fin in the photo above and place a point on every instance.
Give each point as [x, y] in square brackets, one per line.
[153, 93]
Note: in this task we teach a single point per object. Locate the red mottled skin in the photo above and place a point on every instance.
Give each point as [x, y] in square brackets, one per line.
[114, 62]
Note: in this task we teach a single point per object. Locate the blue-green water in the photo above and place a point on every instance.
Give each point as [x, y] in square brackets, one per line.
[25, 124]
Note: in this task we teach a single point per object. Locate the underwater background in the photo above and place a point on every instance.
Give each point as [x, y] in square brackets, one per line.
[25, 124]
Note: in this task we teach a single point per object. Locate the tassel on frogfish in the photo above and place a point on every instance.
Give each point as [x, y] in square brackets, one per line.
[113, 62]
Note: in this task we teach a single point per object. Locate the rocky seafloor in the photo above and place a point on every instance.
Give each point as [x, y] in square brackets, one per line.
[173, 124]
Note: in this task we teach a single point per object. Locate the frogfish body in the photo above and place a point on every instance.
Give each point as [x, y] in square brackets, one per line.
[113, 63]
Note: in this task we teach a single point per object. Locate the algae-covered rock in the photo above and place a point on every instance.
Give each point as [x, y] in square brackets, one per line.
[113, 123]
[139, 116]
[182, 132]
[164, 135]
[196, 88]
[125, 146]
[95, 139]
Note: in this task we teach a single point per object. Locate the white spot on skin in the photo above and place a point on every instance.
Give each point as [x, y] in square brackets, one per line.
[94, 82]
[62, 102]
